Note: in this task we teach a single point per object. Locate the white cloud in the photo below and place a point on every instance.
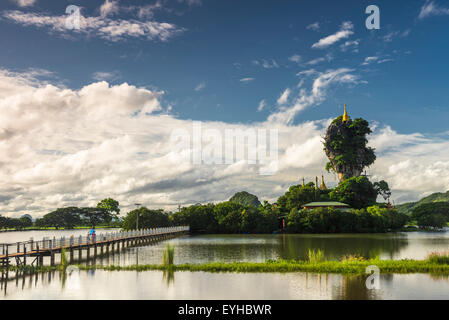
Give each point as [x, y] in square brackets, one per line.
[369, 60]
[316, 61]
[431, 9]
[103, 27]
[24, 3]
[267, 64]
[314, 26]
[350, 45]
[284, 97]
[346, 30]
[295, 58]
[200, 86]
[246, 80]
[109, 7]
[63, 147]
[262, 105]
[316, 95]
[105, 76]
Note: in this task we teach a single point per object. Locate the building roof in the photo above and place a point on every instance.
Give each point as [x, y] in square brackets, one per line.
[326, 204]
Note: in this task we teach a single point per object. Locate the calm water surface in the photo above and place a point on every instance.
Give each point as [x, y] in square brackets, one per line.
[204, 285]
[229, 248]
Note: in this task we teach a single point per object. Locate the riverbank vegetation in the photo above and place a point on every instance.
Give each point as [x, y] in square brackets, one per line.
[436, 263]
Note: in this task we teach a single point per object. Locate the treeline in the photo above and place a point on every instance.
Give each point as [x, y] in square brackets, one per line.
[224, 217]
[105, 213]
[15, 223]
[329, 220]
[431, 215]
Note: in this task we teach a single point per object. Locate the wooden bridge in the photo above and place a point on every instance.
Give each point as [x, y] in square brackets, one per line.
[34, 251]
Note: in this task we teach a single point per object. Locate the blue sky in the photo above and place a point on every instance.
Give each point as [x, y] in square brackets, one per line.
[222, 40]
[70, 97]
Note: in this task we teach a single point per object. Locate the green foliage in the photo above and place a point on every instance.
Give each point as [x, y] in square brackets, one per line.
[434, 197]
[147, 219]
[383, 189]
[296, 196]
[358, 192]
[15, 223]
[316, 256]
[433, 214]
[438, 258]
[228, 217]
[168, 255]
[346, 146]
[110, 205]
[246, 199]
[66, 218]
[329, 220]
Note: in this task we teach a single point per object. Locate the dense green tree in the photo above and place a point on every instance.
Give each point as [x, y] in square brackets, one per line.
[329, 220]
[147, 219]
[66, 218]
[383, 189]
[346, 147]
[358, 192]
[95, 216]
[200, 218]
[110, 205]
[246, 199]
[296, 196]
[433, 214]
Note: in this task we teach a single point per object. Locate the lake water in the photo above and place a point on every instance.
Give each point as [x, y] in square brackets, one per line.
[228, 248]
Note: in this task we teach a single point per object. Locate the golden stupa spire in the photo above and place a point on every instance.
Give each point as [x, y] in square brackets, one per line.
[345, 115]
[323, 185]
[303, 184]
[316, 183]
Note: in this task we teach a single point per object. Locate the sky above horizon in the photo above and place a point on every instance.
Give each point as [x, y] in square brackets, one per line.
[87, 113]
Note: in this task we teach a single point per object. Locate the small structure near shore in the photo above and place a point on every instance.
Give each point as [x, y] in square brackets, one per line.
[327, 204]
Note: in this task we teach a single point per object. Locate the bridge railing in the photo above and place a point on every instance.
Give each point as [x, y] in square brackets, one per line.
[48, 243]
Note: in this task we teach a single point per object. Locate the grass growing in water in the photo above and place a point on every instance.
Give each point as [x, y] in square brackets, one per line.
[168, 255]
[316, 256]
[439, 257]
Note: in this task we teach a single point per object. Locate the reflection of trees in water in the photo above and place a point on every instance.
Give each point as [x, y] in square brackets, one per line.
[354, 288]
[337, 246]
[229, 248]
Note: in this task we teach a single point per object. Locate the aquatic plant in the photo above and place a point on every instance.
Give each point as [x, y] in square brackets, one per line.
[316, 256]
[438, 257]
[168, 255]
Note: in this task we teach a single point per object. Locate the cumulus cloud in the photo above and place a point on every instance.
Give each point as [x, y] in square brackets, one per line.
[103, 27]
[346, 30]
[109, 7]
[64, 147]
[431, 9]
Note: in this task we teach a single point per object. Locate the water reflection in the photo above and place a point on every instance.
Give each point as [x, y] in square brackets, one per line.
[101, 284]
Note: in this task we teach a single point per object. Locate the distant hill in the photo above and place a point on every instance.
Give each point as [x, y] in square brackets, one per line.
[434, 197]
[245, 198]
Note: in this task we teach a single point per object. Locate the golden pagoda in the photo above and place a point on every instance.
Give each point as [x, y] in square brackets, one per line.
[316, 183]
[345, 115]
[303, 184]
[323, 185]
